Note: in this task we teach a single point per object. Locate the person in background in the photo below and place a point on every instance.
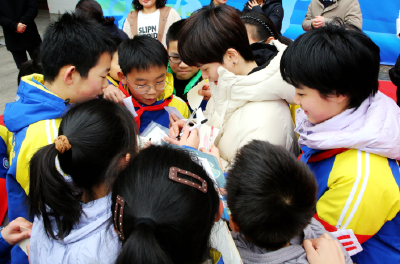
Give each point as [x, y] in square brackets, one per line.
[92, 9]
[28, 68]
[151, 18]
[271, 8]
[214, 3]
[394, 74]
[17, 17]
[321, 12]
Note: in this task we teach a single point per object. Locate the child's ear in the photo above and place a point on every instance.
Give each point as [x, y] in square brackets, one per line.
[69, 74]
[220, 211]
[232, 224]
[340, 98]
[122, 78]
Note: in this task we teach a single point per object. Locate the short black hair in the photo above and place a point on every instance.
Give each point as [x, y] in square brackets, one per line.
[336, 59]
[270, 193]
[209, 32]
[73, 40]
[173, 31]
[141, 53]
[137, 6]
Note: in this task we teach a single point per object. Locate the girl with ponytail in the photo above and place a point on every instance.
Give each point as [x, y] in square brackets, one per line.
[164, 207]
[70, 182]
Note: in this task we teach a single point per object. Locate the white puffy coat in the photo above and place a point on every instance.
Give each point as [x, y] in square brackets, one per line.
[251, 107]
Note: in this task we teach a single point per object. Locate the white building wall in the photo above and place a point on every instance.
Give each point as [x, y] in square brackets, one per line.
[61, 6]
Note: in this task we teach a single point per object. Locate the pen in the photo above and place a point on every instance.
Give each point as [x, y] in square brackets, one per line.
[197, 125]
[186, 123]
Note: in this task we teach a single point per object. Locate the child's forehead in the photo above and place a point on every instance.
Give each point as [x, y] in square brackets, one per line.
[149, 73]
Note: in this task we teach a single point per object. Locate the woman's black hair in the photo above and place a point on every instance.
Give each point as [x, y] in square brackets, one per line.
[263, 28]
[100, 133]
[209, 32]
[164, 221]
[336, 59]
[137, 6]
[92, 9]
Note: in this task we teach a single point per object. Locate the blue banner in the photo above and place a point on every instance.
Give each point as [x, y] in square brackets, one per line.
[379, 19]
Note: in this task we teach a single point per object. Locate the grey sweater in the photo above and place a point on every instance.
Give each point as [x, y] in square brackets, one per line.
[293, 254]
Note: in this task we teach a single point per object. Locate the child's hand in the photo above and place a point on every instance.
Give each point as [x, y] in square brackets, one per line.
[323, 250]
[215, 152]
[172, 119]
[205, 92]
[253, 3]
[12, 233]
[114, 94]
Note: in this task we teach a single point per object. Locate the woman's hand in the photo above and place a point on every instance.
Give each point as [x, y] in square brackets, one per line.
[323, 250]
[114, 94]
[188, 138]
[253, 3]
[13, 234]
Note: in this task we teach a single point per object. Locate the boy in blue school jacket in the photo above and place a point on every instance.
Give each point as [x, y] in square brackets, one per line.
[76, 56]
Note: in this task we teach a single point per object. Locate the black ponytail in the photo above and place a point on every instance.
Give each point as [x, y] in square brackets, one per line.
[100, 133]
[164, 221]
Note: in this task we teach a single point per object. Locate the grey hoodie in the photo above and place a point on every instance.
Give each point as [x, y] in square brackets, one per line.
[293, 254]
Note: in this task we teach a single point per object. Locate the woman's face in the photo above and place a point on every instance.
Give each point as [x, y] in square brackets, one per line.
[147, 3]
[210, 71]
[219, 2]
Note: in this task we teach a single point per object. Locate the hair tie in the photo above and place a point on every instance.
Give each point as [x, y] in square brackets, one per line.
[262, 23]
[146, 221]
[62, 144]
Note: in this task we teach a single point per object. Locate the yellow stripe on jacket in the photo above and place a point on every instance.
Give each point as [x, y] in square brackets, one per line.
[38, 135]
[362, 194]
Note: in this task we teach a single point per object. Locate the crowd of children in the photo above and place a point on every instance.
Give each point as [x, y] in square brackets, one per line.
[84, 189]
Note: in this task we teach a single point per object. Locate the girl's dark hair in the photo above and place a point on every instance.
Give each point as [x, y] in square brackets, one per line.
[92, 9]
[100, 133]
[137, 6]
[209, 32]
[164, 221]
[337, 59]
[264, 28]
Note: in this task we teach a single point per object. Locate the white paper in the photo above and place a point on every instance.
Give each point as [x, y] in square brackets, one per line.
[221, 240]
[193, 97]
[128, 103]
[199, 116]
[23, 245]
[173, 110]
[156, 136]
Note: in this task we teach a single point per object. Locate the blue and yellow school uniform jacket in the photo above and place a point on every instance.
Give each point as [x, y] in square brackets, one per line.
[5, 148]
[33, 119]
[159, 116]
[359, 191]
[111, 81]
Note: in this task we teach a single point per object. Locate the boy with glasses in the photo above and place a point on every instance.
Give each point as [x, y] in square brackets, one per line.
[144, 61]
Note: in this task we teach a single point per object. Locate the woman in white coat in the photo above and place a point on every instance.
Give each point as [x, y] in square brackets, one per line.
[248, 101]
